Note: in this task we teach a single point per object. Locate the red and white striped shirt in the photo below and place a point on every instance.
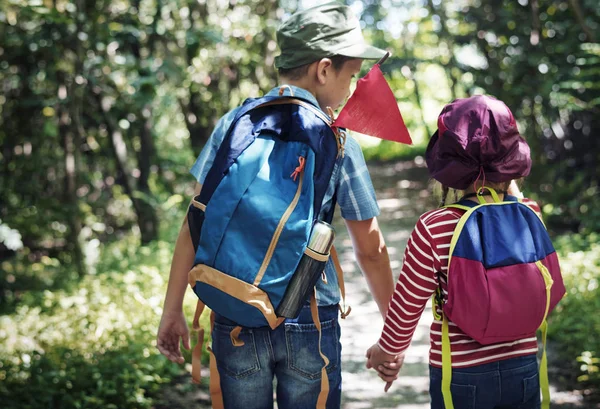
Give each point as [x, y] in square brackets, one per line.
[425, 268]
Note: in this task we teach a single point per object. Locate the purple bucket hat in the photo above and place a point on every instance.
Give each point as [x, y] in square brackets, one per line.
[477, 137]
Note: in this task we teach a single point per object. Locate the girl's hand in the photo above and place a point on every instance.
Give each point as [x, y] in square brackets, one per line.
[386, 365]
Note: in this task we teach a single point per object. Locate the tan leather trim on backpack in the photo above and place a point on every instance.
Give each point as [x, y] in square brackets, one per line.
[197, 351]
[198, 205]
[344, 310]
[239, 289]
[314, 311]
[216, 394]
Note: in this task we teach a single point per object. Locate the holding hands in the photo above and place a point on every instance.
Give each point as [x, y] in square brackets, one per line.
[386, 365]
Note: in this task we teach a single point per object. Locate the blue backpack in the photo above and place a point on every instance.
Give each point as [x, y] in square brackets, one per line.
[251, 223]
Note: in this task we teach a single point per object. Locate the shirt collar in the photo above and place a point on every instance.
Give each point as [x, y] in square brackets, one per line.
[297, 91]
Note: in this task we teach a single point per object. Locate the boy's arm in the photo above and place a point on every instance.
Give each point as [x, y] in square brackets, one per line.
[372, 257]
[173, 326]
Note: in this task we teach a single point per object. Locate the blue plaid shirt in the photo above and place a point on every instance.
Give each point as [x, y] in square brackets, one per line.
[351, 180]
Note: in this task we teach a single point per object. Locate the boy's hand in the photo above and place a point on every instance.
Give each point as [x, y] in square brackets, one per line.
[386, 365]
[171, 330]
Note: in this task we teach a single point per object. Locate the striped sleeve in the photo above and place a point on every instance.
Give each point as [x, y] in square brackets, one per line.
[416, 284]
[533, 204]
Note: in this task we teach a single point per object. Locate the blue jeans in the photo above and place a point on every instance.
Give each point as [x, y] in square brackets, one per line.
[290, 353]
[508, 384]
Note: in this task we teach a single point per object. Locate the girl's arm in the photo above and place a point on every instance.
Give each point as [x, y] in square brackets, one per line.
[416, 284]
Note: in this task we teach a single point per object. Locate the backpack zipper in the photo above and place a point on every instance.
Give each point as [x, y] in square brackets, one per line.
[286, 215]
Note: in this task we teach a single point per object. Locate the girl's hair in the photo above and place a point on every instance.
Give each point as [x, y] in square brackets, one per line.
[445, 191]
[441, 193]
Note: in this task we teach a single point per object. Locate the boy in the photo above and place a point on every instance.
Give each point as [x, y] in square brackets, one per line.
[322, 49]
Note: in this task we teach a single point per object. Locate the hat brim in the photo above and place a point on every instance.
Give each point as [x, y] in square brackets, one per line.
[365, 51]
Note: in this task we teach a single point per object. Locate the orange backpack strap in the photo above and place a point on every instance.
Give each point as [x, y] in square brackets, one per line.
[216, 395]
[322, 399]
[340, 276]
[197, 351]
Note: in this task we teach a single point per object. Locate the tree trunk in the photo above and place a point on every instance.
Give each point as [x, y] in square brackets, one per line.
[199, 134]
[193, 109]
[534, 37]
[445, 34]
[409, 56]
[420, 105]
[579, 15]
[70, 200]
[145, 158]
[146, 215]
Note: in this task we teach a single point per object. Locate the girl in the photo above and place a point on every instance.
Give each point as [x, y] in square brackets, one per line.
[477, 144]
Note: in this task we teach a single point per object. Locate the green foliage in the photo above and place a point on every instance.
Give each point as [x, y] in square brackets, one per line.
[389, 151]
[575, 321]
[105, 104]
[541, 59]
[92, 345]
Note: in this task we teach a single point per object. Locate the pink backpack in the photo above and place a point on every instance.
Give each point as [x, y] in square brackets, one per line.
[503, 279]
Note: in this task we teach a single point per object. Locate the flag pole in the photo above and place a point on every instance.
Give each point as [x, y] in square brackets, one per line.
[385, 57]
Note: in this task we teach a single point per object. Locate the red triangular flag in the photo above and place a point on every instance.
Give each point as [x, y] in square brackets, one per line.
[373, 110]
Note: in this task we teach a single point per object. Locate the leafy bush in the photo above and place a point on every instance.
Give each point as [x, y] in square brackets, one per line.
[576, 322]
[390, 151]
[93, 345]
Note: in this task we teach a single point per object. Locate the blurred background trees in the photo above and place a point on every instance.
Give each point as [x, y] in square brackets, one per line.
[105, 104]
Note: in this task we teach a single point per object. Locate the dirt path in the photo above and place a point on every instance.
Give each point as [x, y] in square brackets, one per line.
[403, 195]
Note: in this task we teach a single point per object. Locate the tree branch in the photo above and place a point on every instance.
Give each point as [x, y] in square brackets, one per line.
[581, 20]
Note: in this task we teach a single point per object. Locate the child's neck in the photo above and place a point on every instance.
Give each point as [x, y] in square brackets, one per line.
[306, 84]
[303, 83]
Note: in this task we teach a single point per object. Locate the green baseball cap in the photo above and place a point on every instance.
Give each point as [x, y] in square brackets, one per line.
[319, 32]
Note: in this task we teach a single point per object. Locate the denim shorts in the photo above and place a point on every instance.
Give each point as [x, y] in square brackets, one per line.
[289, 354]
[507, 384]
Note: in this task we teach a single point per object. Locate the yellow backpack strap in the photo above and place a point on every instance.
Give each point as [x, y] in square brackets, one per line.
[493, 192]
[345, 311]
[446, 364]
[544, 384]
[322, 399]
[197, 351]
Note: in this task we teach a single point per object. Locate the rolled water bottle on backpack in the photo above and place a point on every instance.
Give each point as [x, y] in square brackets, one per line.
[308, 271]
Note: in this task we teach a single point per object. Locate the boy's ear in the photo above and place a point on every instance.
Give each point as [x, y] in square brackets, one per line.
[324, 67]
